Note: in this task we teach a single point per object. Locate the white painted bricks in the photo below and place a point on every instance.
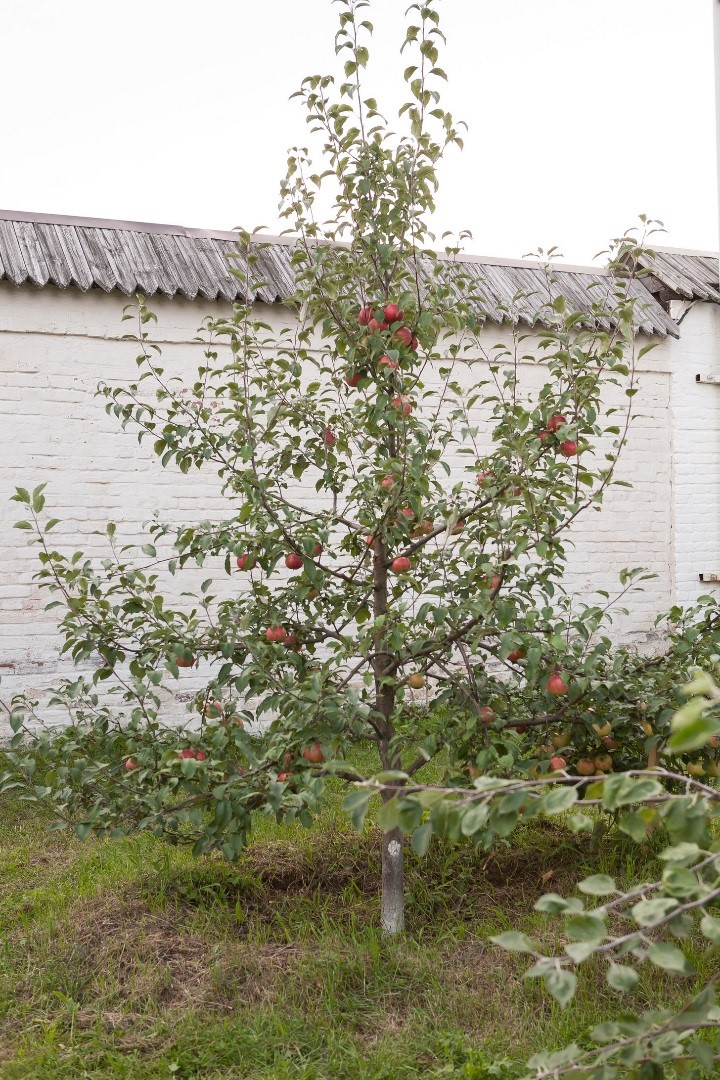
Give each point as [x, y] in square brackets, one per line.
[56, 345]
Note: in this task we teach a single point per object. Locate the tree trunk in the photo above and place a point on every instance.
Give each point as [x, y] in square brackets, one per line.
[392, 894]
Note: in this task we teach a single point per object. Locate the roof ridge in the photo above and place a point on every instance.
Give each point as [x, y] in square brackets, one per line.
[684, 251]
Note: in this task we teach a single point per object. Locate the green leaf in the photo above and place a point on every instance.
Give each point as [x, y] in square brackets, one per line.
[621, 790]
[562, 985]
[648, 912]
[474, 818]
[598, 885]
[560, 799]
[621, 977]
[669, 958]
[514, 941]
[682, 853]
[710, 928]
[585, 927]
[691, 729]
[420, 840]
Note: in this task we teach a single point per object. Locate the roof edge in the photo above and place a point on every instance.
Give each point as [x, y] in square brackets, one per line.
[269, 238]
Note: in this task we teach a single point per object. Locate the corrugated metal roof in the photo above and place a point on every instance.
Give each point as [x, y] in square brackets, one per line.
[47, 249]
[678, 274]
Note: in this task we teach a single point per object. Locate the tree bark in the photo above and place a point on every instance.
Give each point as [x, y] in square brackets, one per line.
[392, 894]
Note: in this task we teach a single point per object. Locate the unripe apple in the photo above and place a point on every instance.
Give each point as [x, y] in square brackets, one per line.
[130, 765]
[486, 714]
[276, 633]
[714, 741]
[416, 681]
[403, 403]
[647, 728]
[365, 316]
[353, 380]
[388, 362]
[557, 763]
[245, 562]
[696, 768]
[400, 565]
[328, 437]
[569, 448]
[393, 313]
[556, 685]
[404, 335]
[560, 739]
[642, 706]
[713, 768]
[603, 729]
[312, 594]
[586, 767]
[314, 754]
[556, 421]
[610, 743]
[603, 763]
[293, 561]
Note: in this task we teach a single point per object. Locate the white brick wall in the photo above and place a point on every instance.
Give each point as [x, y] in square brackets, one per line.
[56, 345]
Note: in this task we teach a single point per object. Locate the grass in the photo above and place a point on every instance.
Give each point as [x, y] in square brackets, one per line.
[131, 960]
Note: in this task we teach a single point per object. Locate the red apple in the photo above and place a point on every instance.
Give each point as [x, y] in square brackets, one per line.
[603, 763]
[188, 752]
[393, 313]
[378, 327]
[569, 448]
[483, 476]
[404, 336]
[370, 541]
[293, 561]
[317, 551]
[401, 565]
[245, 562]
[365, 316]
[556, 421]
[386, 361]
[328, 437]
[183, 662]
[283, 776]
[544, 435]
[130, 765]
[314, 754]
[495, 583]
[486, 714]
[414, 344]
[458, 528]
[515, 655]
[353, 380]
[406, 512]
[521, 728]
[556, 685]
[403, 403]
[586, 767]
[276, 633]
[424, 528]
[200, 755]
[213, 708]
[557, 763]
[416, 681]
[387, 482]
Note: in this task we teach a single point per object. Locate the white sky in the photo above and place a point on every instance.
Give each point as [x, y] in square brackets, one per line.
[582, 113]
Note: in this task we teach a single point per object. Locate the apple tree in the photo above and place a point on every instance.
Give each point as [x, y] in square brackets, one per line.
[399, 505]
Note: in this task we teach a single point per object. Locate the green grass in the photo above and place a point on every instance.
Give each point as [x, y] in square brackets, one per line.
[131, 960]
